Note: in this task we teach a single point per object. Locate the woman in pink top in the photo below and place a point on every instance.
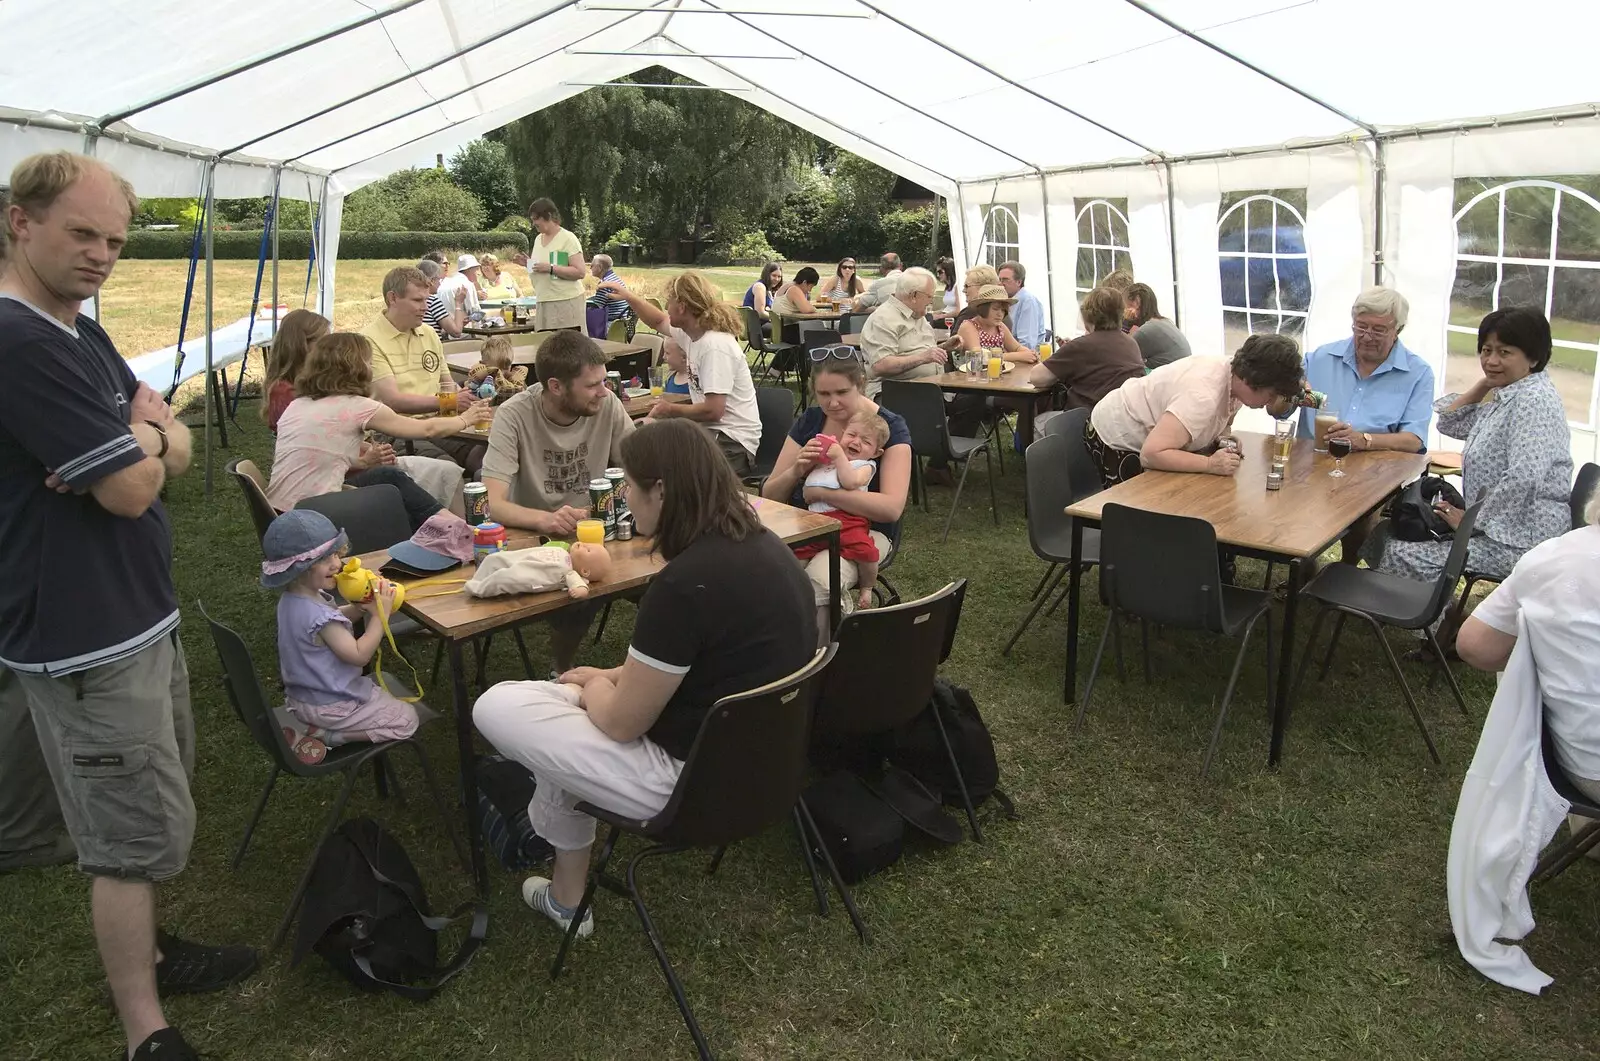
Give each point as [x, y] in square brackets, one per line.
[320, 433]
[1171, 419]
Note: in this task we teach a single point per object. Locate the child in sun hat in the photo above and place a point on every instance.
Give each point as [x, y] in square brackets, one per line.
[318, 652]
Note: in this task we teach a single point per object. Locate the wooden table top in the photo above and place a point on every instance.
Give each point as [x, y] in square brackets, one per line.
[1013, 382]
[454, 615]
[818, 315]
[1301, 520]
[483, 331]
[524, 355]
[638, 408]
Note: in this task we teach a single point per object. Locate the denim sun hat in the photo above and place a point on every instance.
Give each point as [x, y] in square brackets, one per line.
[294, 542]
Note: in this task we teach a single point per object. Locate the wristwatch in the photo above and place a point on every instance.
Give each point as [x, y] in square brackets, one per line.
[164, 440]
[1366, 440]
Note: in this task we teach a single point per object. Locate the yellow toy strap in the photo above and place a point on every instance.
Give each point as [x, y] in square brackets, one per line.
[383, 618]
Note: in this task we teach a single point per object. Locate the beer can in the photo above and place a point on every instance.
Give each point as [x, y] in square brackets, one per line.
[625, 528]
[614, 381]
[476, 499]
[619, 504]
[602, 505]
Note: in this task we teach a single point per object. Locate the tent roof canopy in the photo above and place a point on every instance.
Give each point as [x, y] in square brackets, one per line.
[930, 89]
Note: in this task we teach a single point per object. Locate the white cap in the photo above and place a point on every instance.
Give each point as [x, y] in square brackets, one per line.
[465, 262]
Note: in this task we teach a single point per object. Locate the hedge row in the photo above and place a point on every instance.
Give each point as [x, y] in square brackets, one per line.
[293, 245]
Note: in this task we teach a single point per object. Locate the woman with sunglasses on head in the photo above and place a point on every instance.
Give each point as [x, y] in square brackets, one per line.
[844, 283]
[839, 384]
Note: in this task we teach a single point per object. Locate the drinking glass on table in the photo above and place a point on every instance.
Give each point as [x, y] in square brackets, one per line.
[1339, 449]
[658, 380]
[1326, 418]
[1283, 440]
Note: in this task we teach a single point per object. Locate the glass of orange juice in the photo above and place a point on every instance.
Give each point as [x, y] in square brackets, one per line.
[996, 364]
[592, 531]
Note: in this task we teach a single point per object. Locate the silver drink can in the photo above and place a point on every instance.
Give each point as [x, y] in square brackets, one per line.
[618, 503]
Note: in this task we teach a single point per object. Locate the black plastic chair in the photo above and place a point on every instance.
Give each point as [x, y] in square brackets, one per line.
[243, 683]
[373, 516]
[922, 406]
[1165, 570]
[745, 772]
[882, 677]
[1383, 600]
[254, 487]
[1559, 856]
[1057, 477]
[766, 349]
[883, 589]
[776, 408]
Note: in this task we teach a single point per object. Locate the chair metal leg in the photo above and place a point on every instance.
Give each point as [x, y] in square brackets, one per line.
[587, 901]
[437, 795]
[483, 660]
[673, 983]
[922, 482]
[988, 466]
[961, 781]
[1556, 860]
[1271, 669]
[1266, 580]
[1144, 647]
[1227, 695]
[809, 858]
[261, 807]
[1411, 703]
[600, 628]
[839, 885]
[955, 502]
[1116, 643]
[380, 777]
[1449, 675]
[438, 658]
[1094, 669]
[522, 650]
[1311, 645]
[1043, 579]
[1333, 643]
[1064, 591]
[1039, 602]
[332, 823]
[716, 860]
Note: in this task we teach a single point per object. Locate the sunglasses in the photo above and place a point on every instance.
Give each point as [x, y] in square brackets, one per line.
[837, 351]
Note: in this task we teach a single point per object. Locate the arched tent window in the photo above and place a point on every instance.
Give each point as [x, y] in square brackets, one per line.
[1000, 242]
[1266, 274]
[1533, 242]
[1102, 240]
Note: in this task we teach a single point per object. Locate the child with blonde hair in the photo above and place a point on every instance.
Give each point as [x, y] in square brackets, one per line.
[496, 375]
[851, 464]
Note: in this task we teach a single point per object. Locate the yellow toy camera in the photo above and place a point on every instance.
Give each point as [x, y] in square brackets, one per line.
[354, 583]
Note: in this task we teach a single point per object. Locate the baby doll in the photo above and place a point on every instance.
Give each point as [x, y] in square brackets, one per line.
[543, 568]
[318, 653]
[495, 376]
[852, 462]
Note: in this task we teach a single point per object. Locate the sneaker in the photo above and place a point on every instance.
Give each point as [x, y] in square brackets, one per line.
[536, 893]
[191, 968]
[163, 1045]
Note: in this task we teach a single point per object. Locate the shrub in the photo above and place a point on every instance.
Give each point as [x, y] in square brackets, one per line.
[515, 223]
[369, 213]
[624, 237]
[438, 206]
[753, 245]
[296, 244]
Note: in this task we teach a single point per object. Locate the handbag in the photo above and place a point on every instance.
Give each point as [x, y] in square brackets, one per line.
[1411, 514]
[366, 914]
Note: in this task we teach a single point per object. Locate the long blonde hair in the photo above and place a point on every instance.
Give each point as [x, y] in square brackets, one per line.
[298, 330]
[699, 296]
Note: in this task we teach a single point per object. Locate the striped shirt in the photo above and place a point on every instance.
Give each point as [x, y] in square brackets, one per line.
[79, 586]
[616, 306]
[436, 314]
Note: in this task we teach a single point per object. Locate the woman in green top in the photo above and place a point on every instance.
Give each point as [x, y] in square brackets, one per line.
[557, 269]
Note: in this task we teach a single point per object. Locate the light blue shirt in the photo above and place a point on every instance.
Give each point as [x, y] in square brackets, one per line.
[1027, 320]
[1397, 396]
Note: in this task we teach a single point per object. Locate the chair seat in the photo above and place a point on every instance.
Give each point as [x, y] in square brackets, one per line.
[962, 447]
[1057, 547]
[1391, 599]
[1239, 606]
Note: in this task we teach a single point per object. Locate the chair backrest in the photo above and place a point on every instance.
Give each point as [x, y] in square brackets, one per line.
[249, 700]
[652, 342]
[1080, 464]
[748, 762]
[527, 339]
[851, 323]
[921, 405]
[1456, 562]
[1160, 567]
[254, 485]
[462, 346]
[776, 406]
[1583, 491]
[1049, 493]
[752, 327]
[373, 516]
[887, 659]
[617, 330]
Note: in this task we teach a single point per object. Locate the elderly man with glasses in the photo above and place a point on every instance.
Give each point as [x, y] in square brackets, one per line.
[897, 341]
[1382, 391]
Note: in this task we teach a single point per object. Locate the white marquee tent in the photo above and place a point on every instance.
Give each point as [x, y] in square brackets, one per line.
[1257, 162]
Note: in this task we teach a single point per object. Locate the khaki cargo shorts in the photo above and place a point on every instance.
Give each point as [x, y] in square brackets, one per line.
[119, 742]
[554, 316]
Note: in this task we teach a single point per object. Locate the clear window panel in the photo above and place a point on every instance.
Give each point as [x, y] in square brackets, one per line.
[1294, 284]
[1572, 371]
[1291, 236]
[1233, 292]
[1230, 234]
[1528, 213]
[1085, 222]
[1473, 294]
[1461, 368]
[1263, 284]
[1258, 227]
[1085, 268]
[1102, 264]
[1295, 327]
[1235, 330]
[1122, 260]
[1575, 306]
[1478, 230]
[1578, 232]
[1524, 285]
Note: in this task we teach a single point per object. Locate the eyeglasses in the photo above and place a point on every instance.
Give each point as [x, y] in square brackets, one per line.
[836, 351]
[847, 267]
[1371, 331]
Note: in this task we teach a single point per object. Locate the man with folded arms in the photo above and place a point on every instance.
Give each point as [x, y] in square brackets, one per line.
[88, 609]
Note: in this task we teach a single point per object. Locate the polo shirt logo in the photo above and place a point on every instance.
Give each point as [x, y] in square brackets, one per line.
[430, 361]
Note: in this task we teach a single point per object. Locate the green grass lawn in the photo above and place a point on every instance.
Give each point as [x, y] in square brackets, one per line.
[1134, 912]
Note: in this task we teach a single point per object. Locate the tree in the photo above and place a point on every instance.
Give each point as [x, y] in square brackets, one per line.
[684, 162]
[484, 168]
[441, 207]
[418, 199]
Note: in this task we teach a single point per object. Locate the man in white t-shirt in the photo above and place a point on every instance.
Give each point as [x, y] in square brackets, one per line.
[722, 395]
[464, 279]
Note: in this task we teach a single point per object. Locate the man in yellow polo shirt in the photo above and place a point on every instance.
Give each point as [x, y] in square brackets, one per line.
[408, 361]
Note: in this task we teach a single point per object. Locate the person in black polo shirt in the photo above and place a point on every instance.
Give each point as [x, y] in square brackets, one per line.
[88, 610]
[731, 611]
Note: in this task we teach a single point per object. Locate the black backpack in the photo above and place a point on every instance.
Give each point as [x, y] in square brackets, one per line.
[504, 789]
[862, 832]
[919, 751]
[366, 914]
[1411, 514]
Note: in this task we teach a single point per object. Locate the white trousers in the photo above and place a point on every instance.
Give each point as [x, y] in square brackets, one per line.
[441, 478]
[541, 726]
[849, 574]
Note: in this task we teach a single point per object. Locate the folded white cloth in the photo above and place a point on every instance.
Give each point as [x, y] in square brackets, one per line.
[535, 570]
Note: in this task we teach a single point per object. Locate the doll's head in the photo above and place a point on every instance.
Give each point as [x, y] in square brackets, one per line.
[591, 561]
[497, 353]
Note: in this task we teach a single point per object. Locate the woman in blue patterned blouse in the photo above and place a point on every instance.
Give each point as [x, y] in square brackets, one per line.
[1518, 450]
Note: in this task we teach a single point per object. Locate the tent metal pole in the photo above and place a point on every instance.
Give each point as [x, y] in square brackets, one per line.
[1049, 271]
[961, 215]
[1172, 249]
[261, 60]
[277, 227]
[933, 234]
[1380, 210]
[91, 137]
[407, 76]
[998, 76]
[210, 386]
[322, 250]
[871, 88]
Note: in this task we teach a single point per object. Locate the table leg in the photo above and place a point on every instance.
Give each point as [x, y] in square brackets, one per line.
[1280, 710]
[1025, 424]
[835, 583]
[1069, 690]
[469, 766]
[219, 399]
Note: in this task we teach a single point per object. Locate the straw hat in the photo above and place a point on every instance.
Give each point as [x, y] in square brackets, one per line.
[991, 293]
